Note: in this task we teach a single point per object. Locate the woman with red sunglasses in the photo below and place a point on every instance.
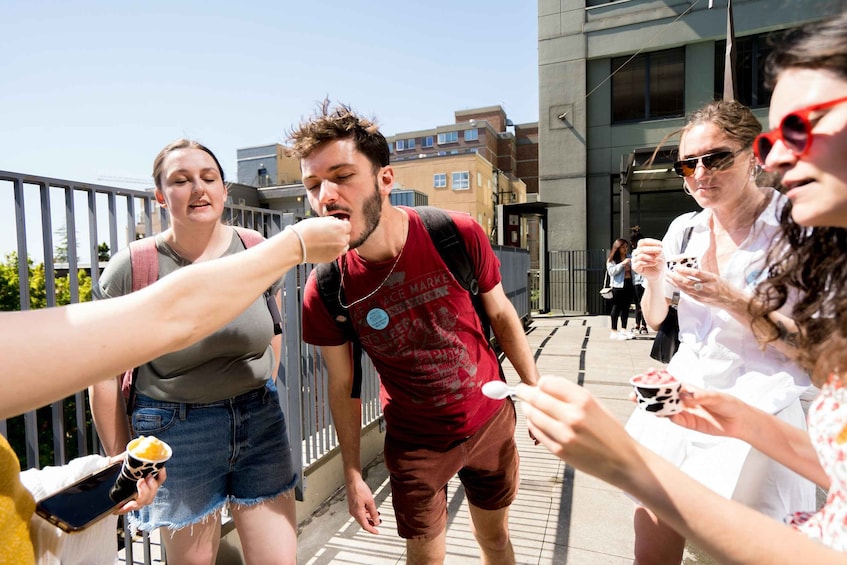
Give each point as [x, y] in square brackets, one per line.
[809, 152]
[731, 237]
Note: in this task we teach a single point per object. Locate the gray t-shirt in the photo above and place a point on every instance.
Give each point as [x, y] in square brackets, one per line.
[234, 360]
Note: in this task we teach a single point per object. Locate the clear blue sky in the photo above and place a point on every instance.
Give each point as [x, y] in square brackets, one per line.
[94, 89]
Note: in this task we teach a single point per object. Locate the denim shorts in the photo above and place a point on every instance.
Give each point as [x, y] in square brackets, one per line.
[234, 450]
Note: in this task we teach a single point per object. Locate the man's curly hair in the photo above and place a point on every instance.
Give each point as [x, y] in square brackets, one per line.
[339, 122]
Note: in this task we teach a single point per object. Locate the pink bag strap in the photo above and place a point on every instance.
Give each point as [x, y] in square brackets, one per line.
[144, 258]
[144, 266]
[248, 237]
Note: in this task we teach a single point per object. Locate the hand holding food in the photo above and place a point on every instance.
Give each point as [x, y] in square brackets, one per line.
[657, 392]
[648, 258]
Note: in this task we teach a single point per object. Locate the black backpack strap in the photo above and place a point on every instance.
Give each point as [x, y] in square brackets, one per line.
[686, 235]
[328, 278]
[451, 246]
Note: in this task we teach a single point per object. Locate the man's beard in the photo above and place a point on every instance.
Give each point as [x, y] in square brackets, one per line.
[371, 212]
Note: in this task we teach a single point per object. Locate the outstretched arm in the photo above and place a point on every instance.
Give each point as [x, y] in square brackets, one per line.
[49, 354]
[569, 421]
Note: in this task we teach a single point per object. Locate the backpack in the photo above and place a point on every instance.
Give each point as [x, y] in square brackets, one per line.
[451, 247]
[144, 258]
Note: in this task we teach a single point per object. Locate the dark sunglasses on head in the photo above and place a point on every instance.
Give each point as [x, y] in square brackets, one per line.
[717, 161]
[795, 132]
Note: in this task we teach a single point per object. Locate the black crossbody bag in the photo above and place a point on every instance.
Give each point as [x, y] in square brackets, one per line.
[666, 341]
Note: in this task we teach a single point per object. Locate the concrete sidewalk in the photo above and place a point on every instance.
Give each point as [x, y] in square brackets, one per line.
[561, 516]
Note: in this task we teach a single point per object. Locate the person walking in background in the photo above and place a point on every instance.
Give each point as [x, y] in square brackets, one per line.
[619, 267]
[419, 327]
[731, 237]
[216, 402]
[638, 283]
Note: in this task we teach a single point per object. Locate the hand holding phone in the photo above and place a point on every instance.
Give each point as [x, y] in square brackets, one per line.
[82, 503]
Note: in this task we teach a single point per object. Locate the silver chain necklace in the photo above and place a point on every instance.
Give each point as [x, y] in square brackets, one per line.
[406, 229]
[374, 291]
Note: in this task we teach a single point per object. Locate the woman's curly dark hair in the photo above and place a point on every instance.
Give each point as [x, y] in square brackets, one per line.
[808, 262]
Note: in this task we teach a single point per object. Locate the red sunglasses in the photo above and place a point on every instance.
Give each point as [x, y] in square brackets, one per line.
[795, 132]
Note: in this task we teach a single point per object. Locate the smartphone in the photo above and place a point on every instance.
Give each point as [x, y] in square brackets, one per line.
[79, 505]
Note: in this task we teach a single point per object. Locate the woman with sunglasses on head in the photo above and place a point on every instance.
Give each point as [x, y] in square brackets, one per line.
[809, 151]
[731, 237]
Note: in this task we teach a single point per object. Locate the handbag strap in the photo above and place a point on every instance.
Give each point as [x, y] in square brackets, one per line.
[686, 235]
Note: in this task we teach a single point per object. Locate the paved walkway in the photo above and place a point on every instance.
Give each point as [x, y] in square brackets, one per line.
[560, 516]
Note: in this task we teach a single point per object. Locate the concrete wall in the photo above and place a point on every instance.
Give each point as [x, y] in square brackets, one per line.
[580, 153]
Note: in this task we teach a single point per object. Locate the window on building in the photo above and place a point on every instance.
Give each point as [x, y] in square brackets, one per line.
[439, 180]
[403, 144]
[650, 86]
[471, 134]
[750, 55]
[427, 141]
[461, 180]
[449, 137]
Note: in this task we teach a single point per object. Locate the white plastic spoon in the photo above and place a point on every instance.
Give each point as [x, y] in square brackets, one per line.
[498, 390]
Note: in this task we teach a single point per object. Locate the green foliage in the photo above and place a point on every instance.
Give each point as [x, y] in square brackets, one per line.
[103, 252]
[10, 295]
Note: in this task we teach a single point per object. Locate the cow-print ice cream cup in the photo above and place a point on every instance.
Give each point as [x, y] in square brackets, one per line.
[689, 261]
[145, 455]
[658, 398]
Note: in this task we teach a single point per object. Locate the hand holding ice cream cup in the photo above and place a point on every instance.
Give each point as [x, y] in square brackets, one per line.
[687, 261]
[145, 455]
[657, 392]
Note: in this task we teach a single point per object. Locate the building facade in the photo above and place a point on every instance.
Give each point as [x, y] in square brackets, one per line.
[267, 165]
[480, 161]
[616, 78]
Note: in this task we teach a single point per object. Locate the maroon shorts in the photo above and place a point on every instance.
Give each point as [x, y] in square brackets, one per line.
[487, 465]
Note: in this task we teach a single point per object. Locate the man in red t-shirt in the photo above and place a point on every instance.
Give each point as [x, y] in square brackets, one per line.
[420, 329]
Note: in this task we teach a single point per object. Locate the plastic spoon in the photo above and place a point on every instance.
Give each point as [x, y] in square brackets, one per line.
[498, 390]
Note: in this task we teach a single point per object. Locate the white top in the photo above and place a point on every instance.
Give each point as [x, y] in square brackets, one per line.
[717, 351]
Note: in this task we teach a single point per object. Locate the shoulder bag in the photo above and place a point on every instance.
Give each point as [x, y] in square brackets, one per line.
[606, 291]
[666, 341]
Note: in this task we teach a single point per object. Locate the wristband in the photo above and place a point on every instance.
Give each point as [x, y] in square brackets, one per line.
[302, 243]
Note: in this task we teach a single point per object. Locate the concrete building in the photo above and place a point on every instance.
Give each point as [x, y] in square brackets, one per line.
[473, 165]
[267, 165]
[615, 78]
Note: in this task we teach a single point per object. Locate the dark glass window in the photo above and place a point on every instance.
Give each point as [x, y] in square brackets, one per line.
[750, 55]
[649, 86]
